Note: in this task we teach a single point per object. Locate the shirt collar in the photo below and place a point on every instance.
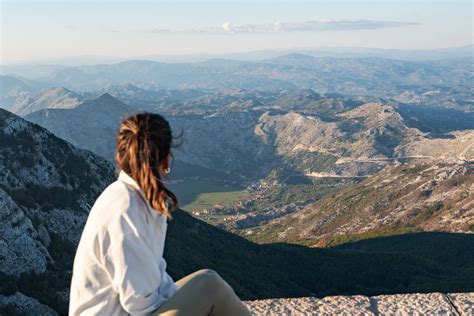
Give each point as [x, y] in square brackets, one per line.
[125, 178]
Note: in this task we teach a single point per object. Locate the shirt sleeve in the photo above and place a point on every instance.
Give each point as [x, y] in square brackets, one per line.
[134, 273]
[172, 287]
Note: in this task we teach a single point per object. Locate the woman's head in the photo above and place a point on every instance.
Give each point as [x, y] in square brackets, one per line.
[144, 144]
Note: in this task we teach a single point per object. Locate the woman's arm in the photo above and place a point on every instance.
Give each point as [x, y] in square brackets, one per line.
[134, 272]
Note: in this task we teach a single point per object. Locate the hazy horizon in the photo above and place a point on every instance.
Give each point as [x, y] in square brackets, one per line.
[117, 31]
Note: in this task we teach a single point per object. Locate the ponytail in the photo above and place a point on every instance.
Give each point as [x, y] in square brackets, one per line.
[144, 142]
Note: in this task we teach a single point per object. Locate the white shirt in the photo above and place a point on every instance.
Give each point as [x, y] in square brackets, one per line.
[119, 267]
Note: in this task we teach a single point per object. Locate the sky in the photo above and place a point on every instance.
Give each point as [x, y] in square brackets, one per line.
[44, 31]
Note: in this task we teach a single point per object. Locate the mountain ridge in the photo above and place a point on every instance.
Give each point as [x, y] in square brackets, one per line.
[99, 120]
[52, 98]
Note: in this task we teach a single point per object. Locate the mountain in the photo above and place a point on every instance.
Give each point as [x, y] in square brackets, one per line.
[12, 88]
[362, 134]
[441, 83]
[355, 141]
[352, 76]
[54, 98]
[30, 71]
[406, 198]
[90, 125]
[47, 187]
[147, 96]
[244, 135]
[438, 120]
[453, 146]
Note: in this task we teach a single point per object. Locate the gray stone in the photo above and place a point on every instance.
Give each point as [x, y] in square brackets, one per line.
[26, 305]
[463, 302]
[398, 304]
[20, 250]
[412, 304]
[332, 305]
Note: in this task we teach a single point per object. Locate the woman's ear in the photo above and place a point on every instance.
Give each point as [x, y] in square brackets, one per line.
[166, 168]
[117, 158]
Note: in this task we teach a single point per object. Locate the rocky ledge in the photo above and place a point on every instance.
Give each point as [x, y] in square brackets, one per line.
[456, 304]
[398, 304]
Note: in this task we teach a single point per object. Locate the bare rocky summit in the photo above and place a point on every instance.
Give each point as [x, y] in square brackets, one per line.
[54, 98]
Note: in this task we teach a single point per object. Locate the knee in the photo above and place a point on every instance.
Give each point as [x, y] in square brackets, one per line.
[210, 279]
[209, 276]
[208, 273]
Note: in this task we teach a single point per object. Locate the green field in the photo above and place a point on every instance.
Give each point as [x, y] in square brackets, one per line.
[200, 194]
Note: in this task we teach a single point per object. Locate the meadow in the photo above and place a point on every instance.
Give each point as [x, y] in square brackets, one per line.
[198, 195]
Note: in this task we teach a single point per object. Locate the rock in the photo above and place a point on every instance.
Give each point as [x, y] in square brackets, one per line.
[398, 304]
[409, 304]
[332, 305]
[20, 249]
[463, 302]
[25, 305]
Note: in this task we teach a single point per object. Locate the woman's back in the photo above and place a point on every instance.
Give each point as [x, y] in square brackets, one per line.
[119, 262]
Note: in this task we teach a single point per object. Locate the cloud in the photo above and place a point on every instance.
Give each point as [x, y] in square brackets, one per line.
[228, 27]
[285, 27]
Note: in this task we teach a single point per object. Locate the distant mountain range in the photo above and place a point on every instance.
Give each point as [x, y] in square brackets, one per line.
[47, 186]
[373, 76]
[237, 134]
[356, 76]
[42, 68]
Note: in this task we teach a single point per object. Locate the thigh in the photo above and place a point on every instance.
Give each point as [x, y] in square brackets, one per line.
[195, 297]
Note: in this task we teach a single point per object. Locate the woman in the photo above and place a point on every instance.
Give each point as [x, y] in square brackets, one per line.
[119, 267]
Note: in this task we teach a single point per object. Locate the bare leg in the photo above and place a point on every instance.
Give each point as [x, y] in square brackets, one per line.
[204, 293]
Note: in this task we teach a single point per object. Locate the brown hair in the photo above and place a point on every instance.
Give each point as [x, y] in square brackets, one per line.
[144, 142]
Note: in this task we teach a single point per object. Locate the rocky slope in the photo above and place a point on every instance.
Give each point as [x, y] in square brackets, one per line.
[46, 189]
[54, 98]
[404, 198]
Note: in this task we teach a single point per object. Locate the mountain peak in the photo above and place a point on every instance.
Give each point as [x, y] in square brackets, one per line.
[310, 94]
[60, 90]
[107, 97]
